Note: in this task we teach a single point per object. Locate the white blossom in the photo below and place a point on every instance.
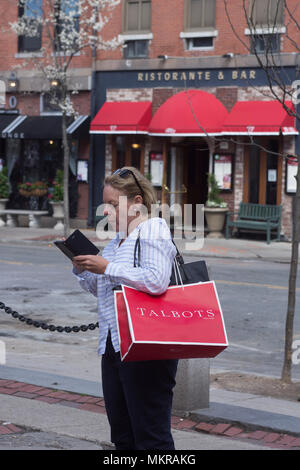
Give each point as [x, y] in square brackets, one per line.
[67, 28]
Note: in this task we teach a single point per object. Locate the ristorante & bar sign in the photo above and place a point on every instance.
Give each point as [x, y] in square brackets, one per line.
[196, 75]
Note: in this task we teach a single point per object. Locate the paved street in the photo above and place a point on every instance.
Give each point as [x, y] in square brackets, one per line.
[38, 283]
[36, 280]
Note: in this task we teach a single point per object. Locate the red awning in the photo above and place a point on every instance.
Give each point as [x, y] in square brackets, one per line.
[122, 117]
[189, 113]
[260, 118]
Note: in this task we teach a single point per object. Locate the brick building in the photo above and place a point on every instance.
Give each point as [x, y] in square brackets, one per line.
[182, 96]
[30, 124]
[182, 58]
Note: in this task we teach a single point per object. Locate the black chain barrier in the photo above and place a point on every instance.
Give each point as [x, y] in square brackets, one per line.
[45, 326]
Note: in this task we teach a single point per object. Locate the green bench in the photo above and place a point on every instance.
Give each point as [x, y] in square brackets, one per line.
[258, 217]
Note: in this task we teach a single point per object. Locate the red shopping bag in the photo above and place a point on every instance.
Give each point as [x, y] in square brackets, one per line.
[184, 322]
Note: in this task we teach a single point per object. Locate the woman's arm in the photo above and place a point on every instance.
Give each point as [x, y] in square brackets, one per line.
[87, 280]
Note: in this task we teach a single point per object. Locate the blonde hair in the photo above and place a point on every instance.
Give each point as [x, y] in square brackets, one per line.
[129, 187]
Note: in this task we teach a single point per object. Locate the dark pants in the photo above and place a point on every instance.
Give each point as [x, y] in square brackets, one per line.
[138, 399]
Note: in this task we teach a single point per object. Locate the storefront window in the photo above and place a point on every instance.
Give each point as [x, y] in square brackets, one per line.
[2, 151]
[136, 156]
[254, 174]
[31, 160]
[120, 152]
[52, 159]
[13, 148]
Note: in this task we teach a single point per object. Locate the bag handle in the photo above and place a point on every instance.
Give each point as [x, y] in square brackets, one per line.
[177, 264]
[137, 249]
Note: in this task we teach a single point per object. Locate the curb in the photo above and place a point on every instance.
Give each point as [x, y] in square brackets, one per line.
[232, 430]
[45, 241]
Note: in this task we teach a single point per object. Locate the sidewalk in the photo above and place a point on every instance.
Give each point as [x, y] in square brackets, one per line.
[39, 415]
[34, 414]
[212, 247]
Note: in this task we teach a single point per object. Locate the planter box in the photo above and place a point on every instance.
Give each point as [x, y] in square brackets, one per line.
[215, 218]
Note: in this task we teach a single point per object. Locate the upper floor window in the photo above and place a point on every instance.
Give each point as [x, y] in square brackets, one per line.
[49, 102]
[200, 14]
[200, 24]
[265, 43]
[66, 25]
[137, 16]
[30, 13]
[266, 23]
[267, 13]
[135, 49]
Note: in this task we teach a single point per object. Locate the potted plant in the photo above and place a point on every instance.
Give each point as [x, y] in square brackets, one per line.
[215, 208]
[37, 189]
[25, 189]
[56, 198]
[4, 191]
[4, 184]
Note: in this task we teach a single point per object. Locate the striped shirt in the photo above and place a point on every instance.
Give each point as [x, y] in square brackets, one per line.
[152, 276]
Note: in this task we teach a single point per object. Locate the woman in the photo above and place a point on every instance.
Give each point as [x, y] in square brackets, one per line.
[138, 395]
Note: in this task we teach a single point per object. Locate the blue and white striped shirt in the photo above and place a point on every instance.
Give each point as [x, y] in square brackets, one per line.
[152, 276]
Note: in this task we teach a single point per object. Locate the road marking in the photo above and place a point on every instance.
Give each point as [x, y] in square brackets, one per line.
[25, 263]
[19, 263]
[249, 348]
[253, 284]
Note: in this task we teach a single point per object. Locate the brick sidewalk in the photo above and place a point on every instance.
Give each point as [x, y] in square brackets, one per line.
[96, 405]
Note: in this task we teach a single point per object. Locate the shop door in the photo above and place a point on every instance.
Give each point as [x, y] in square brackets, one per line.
[263, 173]
[196, 167]
[127, 151]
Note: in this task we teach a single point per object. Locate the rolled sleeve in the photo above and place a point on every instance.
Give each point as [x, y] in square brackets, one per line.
[87, 280]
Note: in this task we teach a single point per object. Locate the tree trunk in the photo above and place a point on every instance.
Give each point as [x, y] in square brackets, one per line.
[66, 152]
[286, 375]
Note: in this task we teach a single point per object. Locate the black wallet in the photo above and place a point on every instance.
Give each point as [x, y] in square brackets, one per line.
[77, 244]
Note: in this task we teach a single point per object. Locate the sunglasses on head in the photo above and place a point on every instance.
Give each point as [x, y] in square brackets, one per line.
[123, 173]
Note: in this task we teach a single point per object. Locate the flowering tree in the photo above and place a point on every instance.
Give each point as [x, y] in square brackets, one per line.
[68, 28]
[264, 20]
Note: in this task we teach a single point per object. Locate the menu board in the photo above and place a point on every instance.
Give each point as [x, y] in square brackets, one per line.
[223, 170]
[82, 170]
[291, 171]
[156, 168]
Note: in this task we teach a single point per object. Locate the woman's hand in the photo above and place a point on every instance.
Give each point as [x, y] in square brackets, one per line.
[93, 263]
[77, 266]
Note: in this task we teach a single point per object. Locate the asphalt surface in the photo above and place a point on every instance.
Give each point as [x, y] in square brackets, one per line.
[245, 421]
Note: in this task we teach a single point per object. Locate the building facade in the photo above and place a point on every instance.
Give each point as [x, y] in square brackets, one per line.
[31, 123]
[182, 96]
[210, 101]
